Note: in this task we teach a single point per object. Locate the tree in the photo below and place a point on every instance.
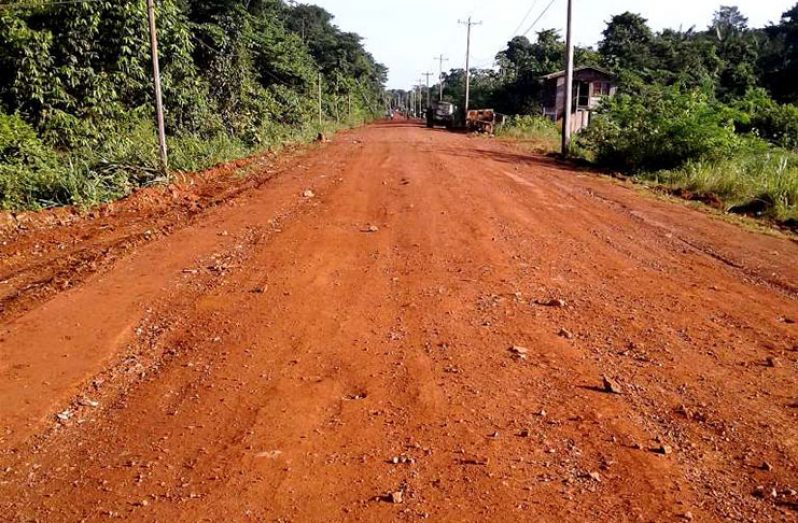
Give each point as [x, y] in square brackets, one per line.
[686, 58]
[236, 74]
[779, 62]
[728, 21]
[627, 43]
[738, 50]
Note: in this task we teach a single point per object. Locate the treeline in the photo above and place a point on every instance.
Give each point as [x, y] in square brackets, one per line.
[76, 102]
[729, 58]
[712, 111]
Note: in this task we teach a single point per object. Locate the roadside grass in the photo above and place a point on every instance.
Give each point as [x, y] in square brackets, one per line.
[756, 179]
[35, 176]
[755, 182]
[536, 133]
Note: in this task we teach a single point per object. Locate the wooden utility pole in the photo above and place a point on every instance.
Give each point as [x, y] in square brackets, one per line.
[440, 60]
[469, 24]
[569, 84]
[419, 101]
[320, 111]
[429, 96]
[156, 78]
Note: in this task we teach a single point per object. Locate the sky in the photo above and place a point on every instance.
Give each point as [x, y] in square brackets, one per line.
[407, 35]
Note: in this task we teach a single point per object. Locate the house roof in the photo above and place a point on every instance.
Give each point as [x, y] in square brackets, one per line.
[559, 74]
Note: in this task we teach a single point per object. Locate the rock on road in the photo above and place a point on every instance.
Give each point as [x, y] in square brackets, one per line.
[399, 325]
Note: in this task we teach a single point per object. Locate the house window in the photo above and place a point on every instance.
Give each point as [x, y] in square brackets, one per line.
[601, 88]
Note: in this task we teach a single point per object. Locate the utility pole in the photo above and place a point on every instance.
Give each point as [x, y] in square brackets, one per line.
[429, 101]
[440, 60]
[569, 84]
[419, 99]
[156, 78]
[468, 24]
[320, 112]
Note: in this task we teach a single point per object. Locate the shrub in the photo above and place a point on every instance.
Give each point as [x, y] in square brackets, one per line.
[28, 169]
[19, 144]
[761, 115]
[660, 128]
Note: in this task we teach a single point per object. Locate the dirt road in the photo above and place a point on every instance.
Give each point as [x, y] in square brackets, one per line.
[329, 339]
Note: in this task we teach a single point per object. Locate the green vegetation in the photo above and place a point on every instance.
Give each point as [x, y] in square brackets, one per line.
[755, 180]
[76, 116]
[711, 111]
[540, 134]
[686, 138]
[661, 128]
[705, 111]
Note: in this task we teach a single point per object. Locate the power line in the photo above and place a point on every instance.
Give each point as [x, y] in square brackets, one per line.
[526, 17]
[546, 10]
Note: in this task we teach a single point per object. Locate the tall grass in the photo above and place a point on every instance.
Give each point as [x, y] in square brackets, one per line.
[770, 177]
[537, 133]
[125, 157]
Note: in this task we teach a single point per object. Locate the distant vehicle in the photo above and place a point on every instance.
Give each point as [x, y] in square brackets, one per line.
[483, 121]
[441, 113]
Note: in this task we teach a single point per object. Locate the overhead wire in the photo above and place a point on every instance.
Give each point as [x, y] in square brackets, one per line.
[539, 18]
[526, 17]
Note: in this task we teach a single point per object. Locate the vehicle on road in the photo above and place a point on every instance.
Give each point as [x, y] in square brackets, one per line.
[483, 121]
[441, 114]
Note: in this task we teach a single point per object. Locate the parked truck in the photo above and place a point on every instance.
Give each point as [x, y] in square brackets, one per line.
[441, 114]
[483, 121]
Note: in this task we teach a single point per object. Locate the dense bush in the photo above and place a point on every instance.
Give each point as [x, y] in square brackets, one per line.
[761, 115]
[27, 166]
[237, 75]
[685, 139]
[661, 127]
[19, 144]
